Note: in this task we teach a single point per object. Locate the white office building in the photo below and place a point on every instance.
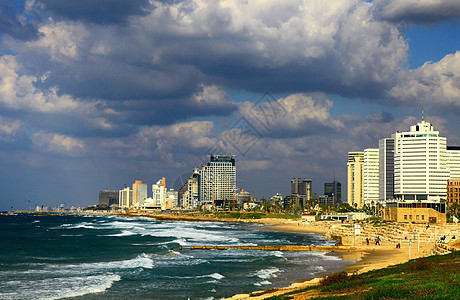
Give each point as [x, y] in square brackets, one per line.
[420, 163]
[217, 180]
[453, 161]
[125, 198]
[371, 175]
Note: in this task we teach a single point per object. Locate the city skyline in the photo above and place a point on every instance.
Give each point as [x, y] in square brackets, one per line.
[95, 95]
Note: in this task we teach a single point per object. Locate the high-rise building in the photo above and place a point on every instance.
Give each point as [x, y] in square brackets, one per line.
[125, 198]
[453, 161]
[371, 176]
[386, 168]
[420, 163]
[188, 193]
[301, 187]
[108, 198]
[139, 193]
[217, 180]
[333, 190]
[355, 187]
[159, 193]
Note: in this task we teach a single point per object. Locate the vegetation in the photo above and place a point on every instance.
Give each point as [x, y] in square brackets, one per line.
[434, 277]
[244, 215]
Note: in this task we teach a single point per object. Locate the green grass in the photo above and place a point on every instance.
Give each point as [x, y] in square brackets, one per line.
[434, 277]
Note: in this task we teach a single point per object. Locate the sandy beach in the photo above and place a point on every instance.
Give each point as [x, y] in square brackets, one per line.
[366, 258]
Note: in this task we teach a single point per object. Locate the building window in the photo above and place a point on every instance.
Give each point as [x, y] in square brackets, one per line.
[423, 217]
[405, 217]
[416, 217]
[410, 217]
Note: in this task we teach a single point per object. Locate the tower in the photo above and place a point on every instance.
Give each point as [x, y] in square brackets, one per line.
[355, 188]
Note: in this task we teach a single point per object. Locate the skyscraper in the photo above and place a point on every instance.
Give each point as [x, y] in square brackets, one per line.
[125, 198]
[386, 168]
[217, 180]
[139, 193]
[355, 187]
[302, 187]
[420, 163]
[453, 161]
[159, 193]
[371, 175]
[188, 193]
[333, 190]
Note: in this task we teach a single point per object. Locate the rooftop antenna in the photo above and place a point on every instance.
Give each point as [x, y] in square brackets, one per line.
[423, 115]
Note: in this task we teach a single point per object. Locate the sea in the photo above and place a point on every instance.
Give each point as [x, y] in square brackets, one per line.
[109, 257]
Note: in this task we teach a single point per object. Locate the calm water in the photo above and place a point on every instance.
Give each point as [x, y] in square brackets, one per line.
[107, 257]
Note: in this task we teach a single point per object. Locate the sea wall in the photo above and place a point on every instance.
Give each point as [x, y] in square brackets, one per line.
[390, 233]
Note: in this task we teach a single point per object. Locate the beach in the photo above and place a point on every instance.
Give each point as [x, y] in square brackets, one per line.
[367, 258]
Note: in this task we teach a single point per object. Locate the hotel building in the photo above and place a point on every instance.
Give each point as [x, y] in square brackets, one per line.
[139, 193]
[420, 164]
[355, 187]
[125, 198]
[217, 180]
[371, 176]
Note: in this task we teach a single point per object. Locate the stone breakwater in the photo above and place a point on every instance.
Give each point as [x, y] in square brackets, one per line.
[279, 248]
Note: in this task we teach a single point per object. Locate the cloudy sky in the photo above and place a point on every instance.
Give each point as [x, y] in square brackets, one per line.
[97, 93]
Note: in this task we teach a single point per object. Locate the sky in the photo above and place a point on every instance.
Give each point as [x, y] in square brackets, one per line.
[95, 94]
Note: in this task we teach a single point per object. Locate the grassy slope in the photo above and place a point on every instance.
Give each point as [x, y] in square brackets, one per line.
[434, 277]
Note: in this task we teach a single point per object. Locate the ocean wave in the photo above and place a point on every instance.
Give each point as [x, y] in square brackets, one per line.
[141, 261]
[265, 282]
[215, 276]
[266, 273]
[77, 226]
[60, 287]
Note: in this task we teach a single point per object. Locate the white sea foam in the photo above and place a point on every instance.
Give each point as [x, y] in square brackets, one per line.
[86, 285]
[278, 254]
[141, 261]
[324, 256]
[266, 273]
[216, 276]
[123, 233]
[78, 226]
[265, 282]
[60, 287]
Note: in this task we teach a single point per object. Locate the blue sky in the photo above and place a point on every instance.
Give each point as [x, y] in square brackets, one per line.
[97, 94]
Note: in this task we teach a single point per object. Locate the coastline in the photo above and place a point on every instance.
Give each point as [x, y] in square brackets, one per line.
[366, 258]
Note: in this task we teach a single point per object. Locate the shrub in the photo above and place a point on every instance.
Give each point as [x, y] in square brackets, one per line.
[340, 277]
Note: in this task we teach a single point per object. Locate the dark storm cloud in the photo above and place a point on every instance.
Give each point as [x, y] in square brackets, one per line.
[178, 45]
[97, 11]
[417, 11]
[11, 24]
[383, 117]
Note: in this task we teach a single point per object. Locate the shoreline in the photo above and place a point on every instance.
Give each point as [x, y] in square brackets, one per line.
[365, 258]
